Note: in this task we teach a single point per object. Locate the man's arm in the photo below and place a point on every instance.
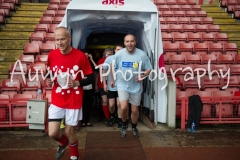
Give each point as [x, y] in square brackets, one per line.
[105, 87]
[86, 81]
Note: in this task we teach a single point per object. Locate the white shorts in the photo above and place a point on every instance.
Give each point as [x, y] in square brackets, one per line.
[134, 99]
[72, 116]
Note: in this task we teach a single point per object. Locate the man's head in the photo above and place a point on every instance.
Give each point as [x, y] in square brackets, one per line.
[130, 43]
[63, 39]
[118, 47]
[107, 52]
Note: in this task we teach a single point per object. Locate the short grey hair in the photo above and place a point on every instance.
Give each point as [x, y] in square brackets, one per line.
[107, 50]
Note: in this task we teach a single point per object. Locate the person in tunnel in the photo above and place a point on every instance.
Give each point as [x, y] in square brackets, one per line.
[99, 87]
[112, 92]
[129, 86]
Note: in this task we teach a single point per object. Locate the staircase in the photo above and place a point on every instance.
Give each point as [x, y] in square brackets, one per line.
[227, 24]
[16, 33]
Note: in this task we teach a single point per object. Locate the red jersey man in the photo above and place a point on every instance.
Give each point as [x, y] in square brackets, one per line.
[68, 66]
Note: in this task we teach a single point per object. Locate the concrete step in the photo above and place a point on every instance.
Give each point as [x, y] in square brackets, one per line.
[25, 19]
[5, 65]
[229, 28]
[224, 21]
[4, 71]
[218, 15]
[33, 6]
[18, 29]
[8, 59]
[10, 44]
[26, 15]
[11, 53]
[29, 12]
[21, 26]
[15, 35]
[22, 22]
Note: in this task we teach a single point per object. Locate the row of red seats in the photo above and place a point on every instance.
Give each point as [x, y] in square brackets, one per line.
[188, 58]
[204, 83]
[212, 110]
[47, 28]
[185, 20]
[172, 2]
[56, 6]
[41, 36]
[59, 1]
[53, 13]
[15, 2]
[201, 48]
[182, 13]
[35, 48]
[9, 6]
[50, 20]
[176, 68]
[178, 8]
[232, 6]
[28, 59]
[190, 37]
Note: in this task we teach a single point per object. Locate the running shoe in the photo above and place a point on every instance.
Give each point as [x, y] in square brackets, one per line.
[135, 132]
[123, 131]
[60, 151]
[74, 158]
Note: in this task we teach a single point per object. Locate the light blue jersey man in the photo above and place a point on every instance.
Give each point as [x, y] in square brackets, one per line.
[132, 66]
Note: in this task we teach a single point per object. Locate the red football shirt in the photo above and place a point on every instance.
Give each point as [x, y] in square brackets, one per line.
[73, 64]
[101, 61]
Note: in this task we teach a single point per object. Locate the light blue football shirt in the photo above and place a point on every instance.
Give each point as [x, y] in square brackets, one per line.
[127, 64]
[109, 61]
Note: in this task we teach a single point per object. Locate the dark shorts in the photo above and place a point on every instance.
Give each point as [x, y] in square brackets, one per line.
[112, 94]
[102, 92]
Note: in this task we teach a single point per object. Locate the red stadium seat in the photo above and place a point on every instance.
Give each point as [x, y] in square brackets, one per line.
[202, 93]
[42, 58]
[9, 6]
[175, 28]
[189, 13]
[31, 87]
[19, 72]
[237, 58]
[185, 48]
[46, 20]
[64, 1]
[52, 27]
[193, 38]
[191, 2]
[230, 5]
[207, 20]
[31, 48]
[185, 8]
[219, 67]
[54, 1]
[195, 20]
[170, 2]
[173, 59]
[230, 48]
[235, 69]
[181, 2]
[215, 48]
[10, 87]
[49, 37]
[163, 7]
[201, 14]
[37, 69]
[200, 48]
[167, 37]
[41, 28]
[179, 13]
[37, 36]
[226, 110]
[162, 20]
[183, 20]
[196, 8]
[52, 6]
[213, 83]
[211, 57]
[49, 13]
[170, 20]
[179, 37]
[200, 68]
[232, 82]
[201, 28]
[170, 47]
[174, 7]
[191, 83]
[2, 19]
[28, 59]
[62, 6]
[221, 37]
[225, 58]
[188, 28]
[213, 28]
[60, 13]
[208, 38]
[57, 20]
[47, 47]
[193, 59]
[159, 2]
[167, 13]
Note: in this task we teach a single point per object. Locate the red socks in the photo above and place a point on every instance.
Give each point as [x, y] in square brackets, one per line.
[74, 149]
[63, 140]
[106, 112]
